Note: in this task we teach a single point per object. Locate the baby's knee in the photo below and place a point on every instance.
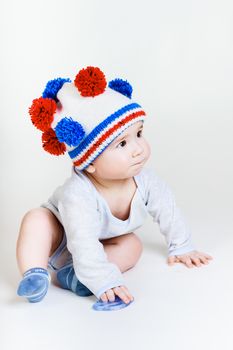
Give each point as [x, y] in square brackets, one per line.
[42, 222]
[134, 245]
[40, 216]
[36, 213]
[132, 250]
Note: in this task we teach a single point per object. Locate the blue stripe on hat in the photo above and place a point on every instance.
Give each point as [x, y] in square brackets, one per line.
[100, 127]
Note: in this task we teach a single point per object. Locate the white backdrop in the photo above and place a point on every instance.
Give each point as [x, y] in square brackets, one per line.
[177, 55]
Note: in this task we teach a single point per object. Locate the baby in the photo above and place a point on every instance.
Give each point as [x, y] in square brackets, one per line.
[85, 230]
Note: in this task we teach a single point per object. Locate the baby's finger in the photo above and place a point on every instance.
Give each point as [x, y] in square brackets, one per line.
[207, 256]
[121, 294]
[204, 260]
[187, 261]
[126, 291]
[104, 298]
[196, 261]
[110, 295]
[171, 260]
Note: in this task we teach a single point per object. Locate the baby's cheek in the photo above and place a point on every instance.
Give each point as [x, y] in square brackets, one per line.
[147, 150]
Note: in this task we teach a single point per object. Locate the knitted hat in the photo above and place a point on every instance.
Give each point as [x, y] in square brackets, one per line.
[84, 117]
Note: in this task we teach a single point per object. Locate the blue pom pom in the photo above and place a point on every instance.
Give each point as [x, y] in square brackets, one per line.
[69, 131]
[121, 86]
[53, 86]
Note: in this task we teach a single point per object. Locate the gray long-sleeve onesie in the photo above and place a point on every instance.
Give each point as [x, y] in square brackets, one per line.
[86, 218]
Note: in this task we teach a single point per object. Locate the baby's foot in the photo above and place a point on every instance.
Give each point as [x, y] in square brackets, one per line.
[34, 284]
[68, 280]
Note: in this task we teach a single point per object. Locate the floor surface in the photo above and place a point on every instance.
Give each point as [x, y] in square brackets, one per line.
[175, 308]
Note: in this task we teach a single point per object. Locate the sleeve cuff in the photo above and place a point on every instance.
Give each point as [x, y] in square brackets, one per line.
[182, 250]
[109, 286]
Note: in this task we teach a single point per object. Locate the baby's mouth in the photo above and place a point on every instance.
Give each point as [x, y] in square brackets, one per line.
[138, 163]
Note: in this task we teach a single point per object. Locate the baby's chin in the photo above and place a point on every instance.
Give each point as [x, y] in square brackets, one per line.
[135, 170]
[138, 170]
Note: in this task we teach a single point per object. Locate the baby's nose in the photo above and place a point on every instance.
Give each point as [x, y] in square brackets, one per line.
[138, 149]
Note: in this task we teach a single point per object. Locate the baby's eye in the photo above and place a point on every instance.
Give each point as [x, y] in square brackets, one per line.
[122, 143]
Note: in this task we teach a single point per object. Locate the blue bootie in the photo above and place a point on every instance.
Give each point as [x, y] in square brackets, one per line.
[34, 284]
[68, 280]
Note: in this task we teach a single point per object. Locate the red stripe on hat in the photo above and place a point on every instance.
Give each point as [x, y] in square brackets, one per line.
[107, 135]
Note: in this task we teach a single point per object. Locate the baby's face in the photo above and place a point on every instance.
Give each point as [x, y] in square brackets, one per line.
[125, 156]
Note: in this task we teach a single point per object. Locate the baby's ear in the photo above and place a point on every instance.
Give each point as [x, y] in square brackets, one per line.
[90, 169]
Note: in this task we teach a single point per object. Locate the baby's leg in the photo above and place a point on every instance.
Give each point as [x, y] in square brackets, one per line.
[124, 251]
[40, 234]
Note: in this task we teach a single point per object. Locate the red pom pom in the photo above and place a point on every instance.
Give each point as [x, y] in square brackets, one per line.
[42, 111]
[90, 81]
[51, 143]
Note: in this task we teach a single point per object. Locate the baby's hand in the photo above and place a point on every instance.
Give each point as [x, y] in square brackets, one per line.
[191, 259]
[121, 291]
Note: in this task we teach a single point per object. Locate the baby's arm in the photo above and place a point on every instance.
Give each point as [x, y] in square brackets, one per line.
[163, 208]
[81, 221]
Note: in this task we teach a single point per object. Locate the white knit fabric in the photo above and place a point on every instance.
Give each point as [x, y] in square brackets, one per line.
[88, 111]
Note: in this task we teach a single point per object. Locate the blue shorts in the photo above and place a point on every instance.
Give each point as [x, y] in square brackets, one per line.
[61, 257]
